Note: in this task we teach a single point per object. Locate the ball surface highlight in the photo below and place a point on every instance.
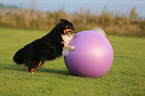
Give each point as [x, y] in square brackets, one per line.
[92, 57]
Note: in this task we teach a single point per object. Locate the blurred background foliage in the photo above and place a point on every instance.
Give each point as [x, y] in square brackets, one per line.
[113, 23]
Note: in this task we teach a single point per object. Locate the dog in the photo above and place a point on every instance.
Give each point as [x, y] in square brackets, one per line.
[49, 47]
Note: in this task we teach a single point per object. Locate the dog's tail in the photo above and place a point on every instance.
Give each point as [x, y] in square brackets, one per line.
[19, 57]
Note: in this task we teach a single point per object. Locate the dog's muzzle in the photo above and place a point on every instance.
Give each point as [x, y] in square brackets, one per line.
[69, 31]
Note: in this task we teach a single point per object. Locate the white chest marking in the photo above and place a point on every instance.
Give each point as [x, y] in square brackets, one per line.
[66, 39]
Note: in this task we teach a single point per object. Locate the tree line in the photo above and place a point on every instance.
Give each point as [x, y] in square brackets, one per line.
[112, 23]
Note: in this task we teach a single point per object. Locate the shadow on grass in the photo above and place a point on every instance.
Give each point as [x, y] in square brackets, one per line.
[52, 70]
[42, 70]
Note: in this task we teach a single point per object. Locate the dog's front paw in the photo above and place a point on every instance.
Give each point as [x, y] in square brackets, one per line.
[65, 51]
[71, 48]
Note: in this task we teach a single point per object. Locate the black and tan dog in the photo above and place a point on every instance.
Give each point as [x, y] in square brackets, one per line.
[49, 47]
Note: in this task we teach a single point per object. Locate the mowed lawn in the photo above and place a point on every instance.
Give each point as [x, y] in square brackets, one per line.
[126, 76]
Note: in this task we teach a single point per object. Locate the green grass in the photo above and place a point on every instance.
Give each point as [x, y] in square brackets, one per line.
[126, 76]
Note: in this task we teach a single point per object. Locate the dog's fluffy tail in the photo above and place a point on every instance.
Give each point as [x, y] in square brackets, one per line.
[19, 57]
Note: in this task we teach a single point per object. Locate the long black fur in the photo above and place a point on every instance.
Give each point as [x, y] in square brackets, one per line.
[48, 47]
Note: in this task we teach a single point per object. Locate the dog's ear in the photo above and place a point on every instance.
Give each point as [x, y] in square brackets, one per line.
[63, 21]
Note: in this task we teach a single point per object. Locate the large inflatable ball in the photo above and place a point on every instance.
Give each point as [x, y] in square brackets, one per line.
[92, 57]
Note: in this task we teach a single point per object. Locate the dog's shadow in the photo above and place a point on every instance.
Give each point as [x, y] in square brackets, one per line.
[54, 71]
[40, 70]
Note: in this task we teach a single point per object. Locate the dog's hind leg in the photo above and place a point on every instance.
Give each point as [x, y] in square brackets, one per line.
[40, 63]
[32, 66]
[32, 70]
[35, 65]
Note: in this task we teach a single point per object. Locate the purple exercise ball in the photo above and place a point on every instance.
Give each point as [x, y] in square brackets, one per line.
[92, 57]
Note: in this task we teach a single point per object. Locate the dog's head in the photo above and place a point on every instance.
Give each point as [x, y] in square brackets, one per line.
[67, 27]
